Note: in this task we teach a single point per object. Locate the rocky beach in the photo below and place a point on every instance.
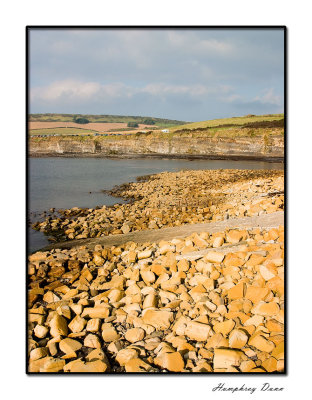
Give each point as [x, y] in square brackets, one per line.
[207, 301]
[173, 199]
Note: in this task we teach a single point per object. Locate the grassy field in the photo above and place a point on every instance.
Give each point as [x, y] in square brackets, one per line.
[247, 126]
[235, 121]
[61, 131]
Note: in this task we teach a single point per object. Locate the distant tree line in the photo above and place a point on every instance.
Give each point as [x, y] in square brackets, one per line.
[149, 122]
[132, 125]
[80, 120]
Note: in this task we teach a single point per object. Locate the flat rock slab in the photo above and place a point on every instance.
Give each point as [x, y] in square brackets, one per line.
[267, 221]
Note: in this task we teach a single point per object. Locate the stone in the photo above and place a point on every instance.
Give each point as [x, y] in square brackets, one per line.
[255, 259]
[256, 320]
[218, 241]
[41, 331]
[93, 325]
[232, 260]
[109, 333]
[92, 341]
[280, 365]
[274, 326]
[270, 364]
[199, 242]
[132, 256]
[137, 365]
[71, 293]
[100, 311]
[256, 294]
[224, 327]
[58, 326]
[36, 365]
[148, 277]
[125, 355]
[144, 254]
[125, 228]
[266, 272]
[202, 366]
[77, 324]
[247, 366]
[53, 365]
[278, 352]
[115, 295]
[150, 301]
[157, 318]
[237, 339]
[165, 248]
[214, 257]
[51, 297]
[266, 309]
[225, 358]
[68, 345]
[197, 331]
[38, 353]
[158, 269]
[180, 325]
[135, 335]
[92, 366]
[77, 308]
[234, 236]
[217, 340]
[261, 343]
[97, 354]
[171, 361]
[236, 292]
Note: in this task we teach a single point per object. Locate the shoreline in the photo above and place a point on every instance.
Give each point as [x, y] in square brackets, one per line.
[161, 156]
[164, 200]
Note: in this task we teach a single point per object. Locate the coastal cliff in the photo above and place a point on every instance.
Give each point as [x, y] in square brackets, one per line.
[270, 148]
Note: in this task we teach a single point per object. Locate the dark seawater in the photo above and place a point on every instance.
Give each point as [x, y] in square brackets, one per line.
[77, 182]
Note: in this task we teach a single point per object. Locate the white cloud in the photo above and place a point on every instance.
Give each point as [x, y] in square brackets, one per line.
[269, 97]
[231, 98]
[67, 88]
[74, 90]
[195, 44]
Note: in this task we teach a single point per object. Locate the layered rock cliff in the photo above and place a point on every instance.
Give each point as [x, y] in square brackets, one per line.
[270, 148]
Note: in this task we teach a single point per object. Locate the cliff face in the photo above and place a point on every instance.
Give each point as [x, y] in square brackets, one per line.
[253, 148]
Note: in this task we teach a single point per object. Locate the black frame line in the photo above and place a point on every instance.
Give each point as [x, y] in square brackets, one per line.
[28, 28]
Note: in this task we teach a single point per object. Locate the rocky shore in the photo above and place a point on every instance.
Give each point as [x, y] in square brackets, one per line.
[173, 199]
[206, 303]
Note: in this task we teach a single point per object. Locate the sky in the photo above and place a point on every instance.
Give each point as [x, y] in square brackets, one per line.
[183, 74]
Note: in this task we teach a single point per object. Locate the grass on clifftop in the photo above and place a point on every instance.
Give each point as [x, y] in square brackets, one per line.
[235, 121]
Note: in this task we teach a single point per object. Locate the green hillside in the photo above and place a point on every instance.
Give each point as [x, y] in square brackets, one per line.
[228, 122]
[161, 122]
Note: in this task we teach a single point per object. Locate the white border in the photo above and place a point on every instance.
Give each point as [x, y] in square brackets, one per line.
[15, 16]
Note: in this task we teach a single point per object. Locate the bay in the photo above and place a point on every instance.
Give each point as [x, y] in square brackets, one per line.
[61, 182]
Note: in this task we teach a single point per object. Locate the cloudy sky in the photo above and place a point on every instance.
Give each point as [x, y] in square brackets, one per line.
[185, 74]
